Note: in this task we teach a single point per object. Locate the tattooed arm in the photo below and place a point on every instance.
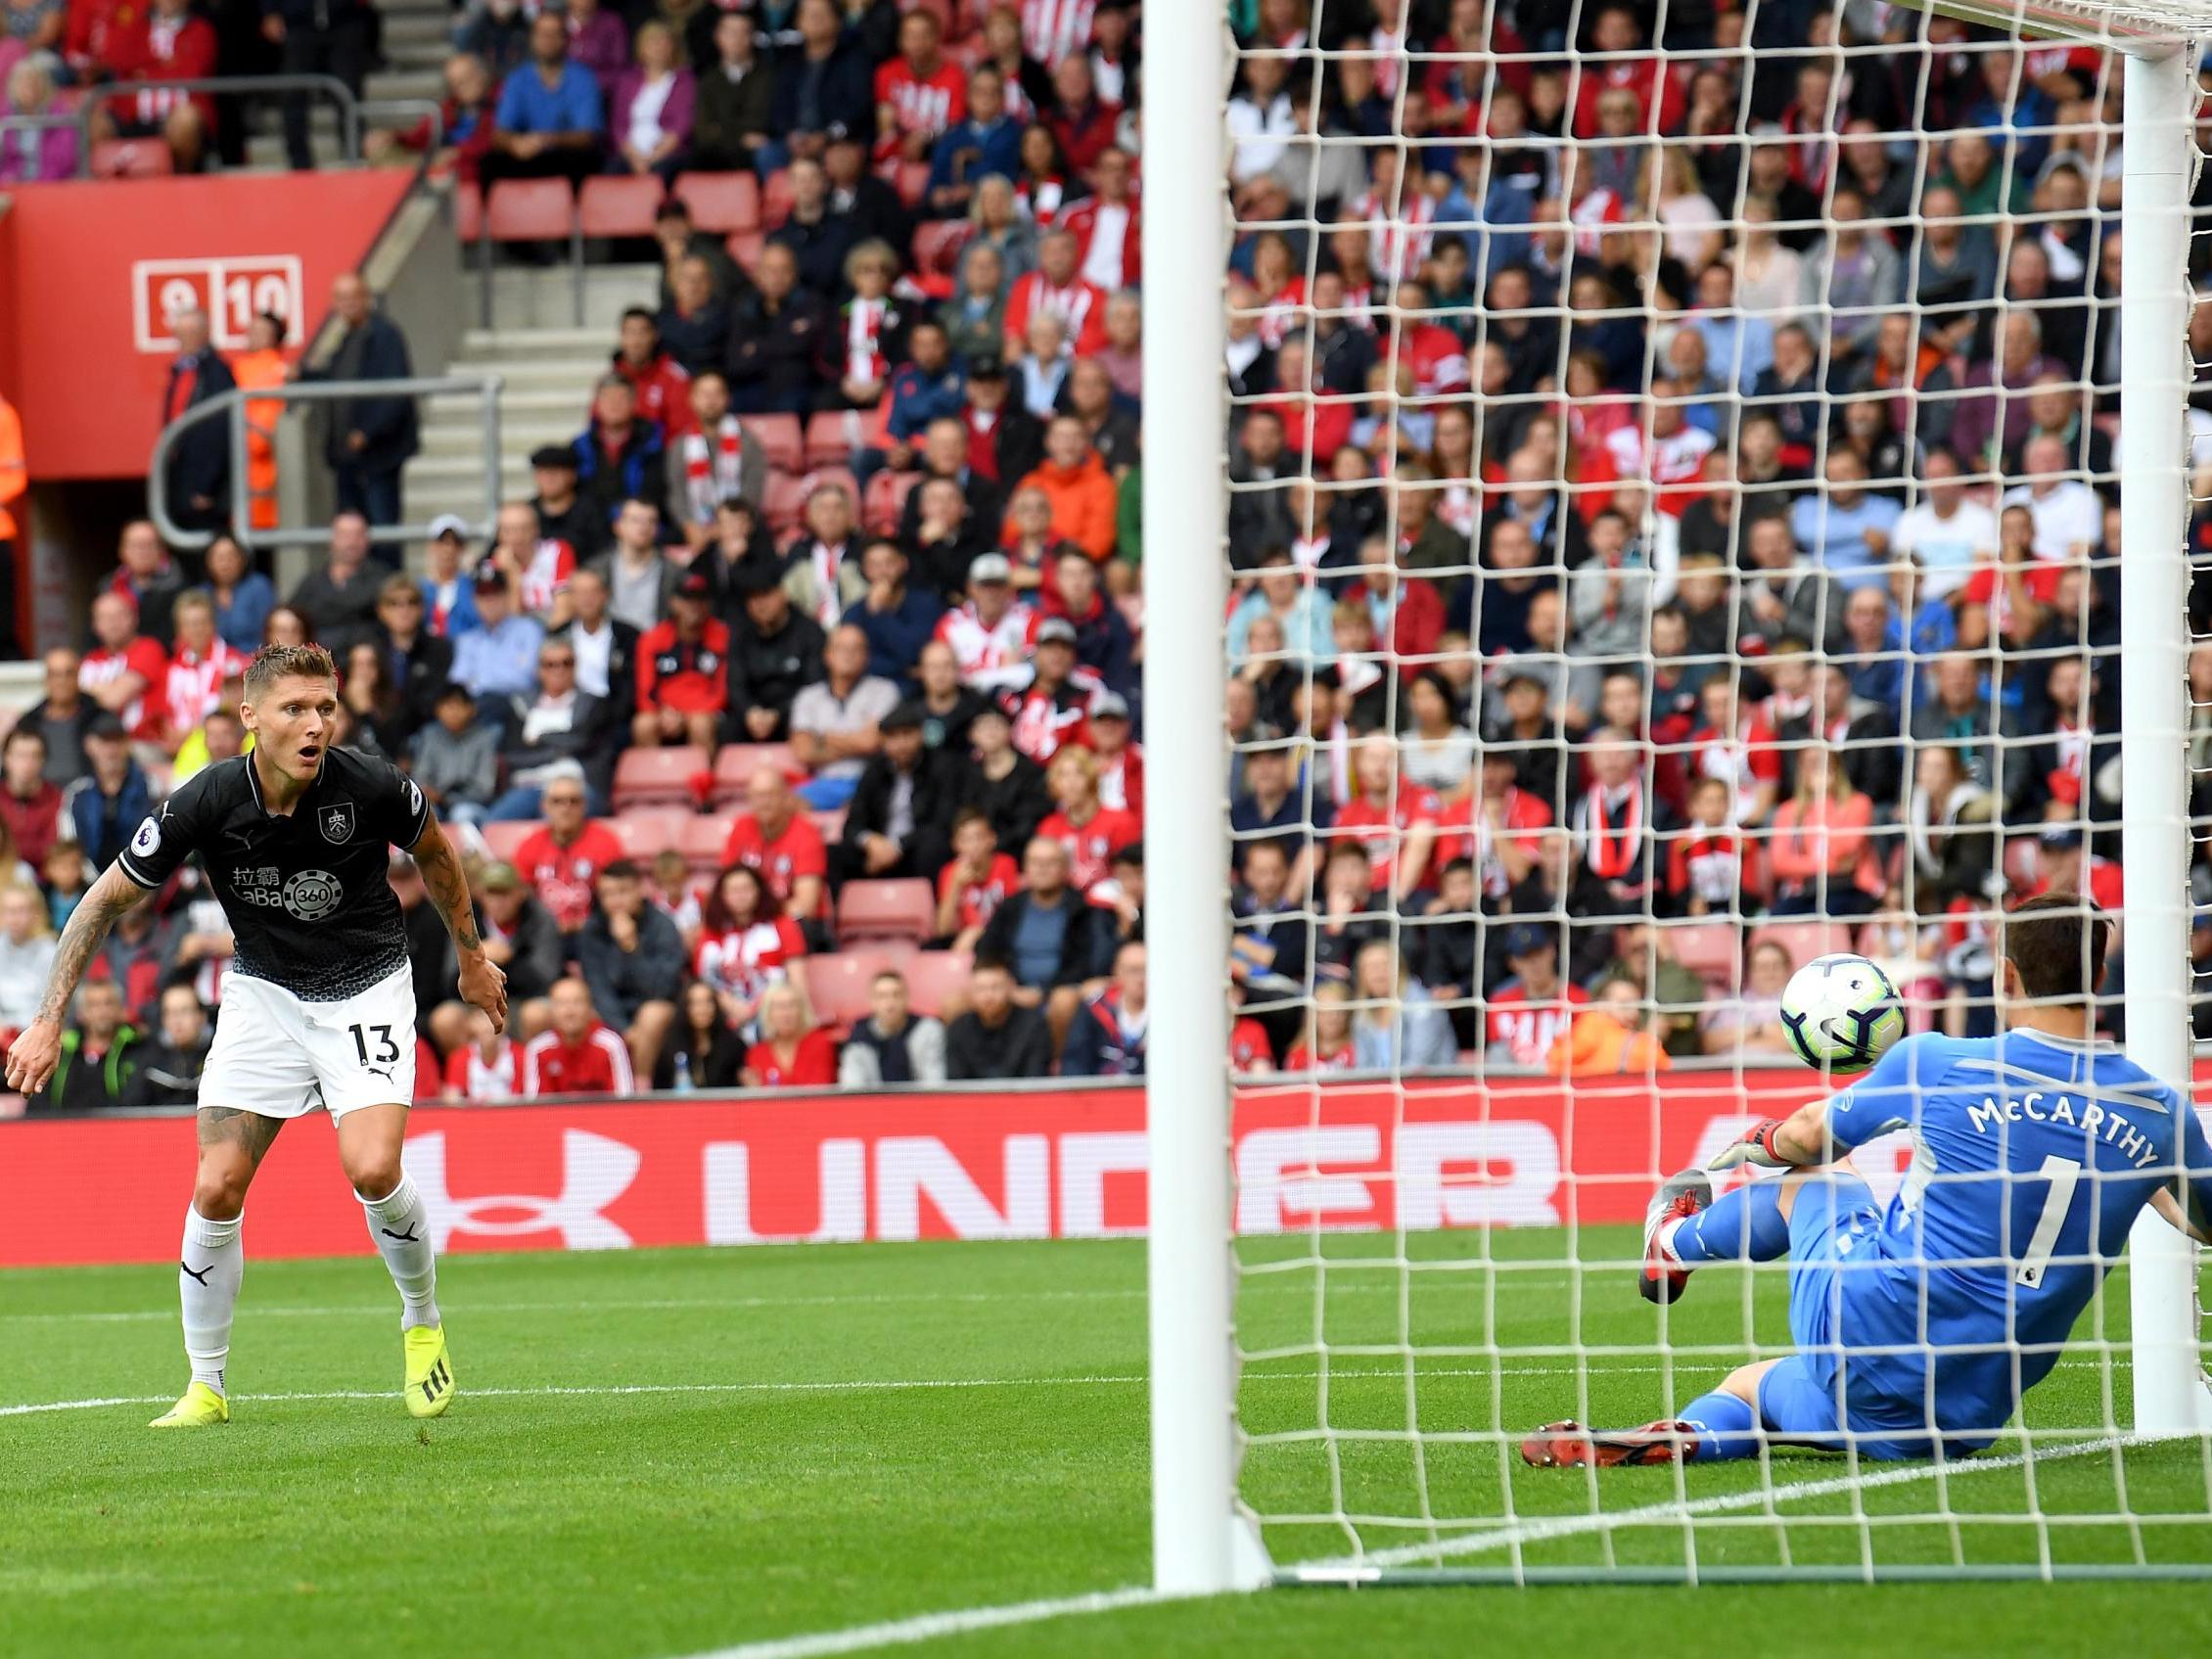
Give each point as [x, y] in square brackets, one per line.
[447, 885]
[34, 1055]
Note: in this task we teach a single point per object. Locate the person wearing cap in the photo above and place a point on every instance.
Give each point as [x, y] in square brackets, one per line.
[775, 336]
[991, 633]
[1003, 784]
[620, 455]
[562, 515]
[834, 721]
[773, 652]
[682, 673]
[1104, 643]
[896, 618]
[1005, 441]
[1120, 762]
[714, 460]
[497, 660]
[1531, 1010]
[537, 566]
[450, 604]
[1050, 699]
[101, 810]
[898, 821]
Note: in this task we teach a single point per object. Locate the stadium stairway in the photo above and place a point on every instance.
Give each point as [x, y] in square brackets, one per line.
[417, 41]
[548, 364]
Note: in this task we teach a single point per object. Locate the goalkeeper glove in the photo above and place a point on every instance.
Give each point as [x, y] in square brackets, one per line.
[1756, 1145]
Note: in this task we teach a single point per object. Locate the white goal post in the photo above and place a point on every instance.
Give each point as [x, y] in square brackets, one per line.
[1205, 1538]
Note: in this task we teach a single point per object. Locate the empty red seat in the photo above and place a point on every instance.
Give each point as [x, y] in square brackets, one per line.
[702, 838]
[885, 909]
[938, 243]
[468, 211]
[782, 440]
[886, 500]
[132, 158]
[831, 436]
[721, 203]
[775, 200]
[1713, 950]
[530, 210]
[619, 205]
[839, 985]
[914, 181]
[830, 826]
[936, 978]
[1804, 941]
[503, 839]
[786, 502]
[646, 832]
[736, 762]
[658, 777]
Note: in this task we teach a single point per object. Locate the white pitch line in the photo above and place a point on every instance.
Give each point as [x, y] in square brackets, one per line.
[1721, 1503]
[926, 1627]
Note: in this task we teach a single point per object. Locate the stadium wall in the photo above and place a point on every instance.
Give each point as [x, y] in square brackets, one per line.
[1058, 1163]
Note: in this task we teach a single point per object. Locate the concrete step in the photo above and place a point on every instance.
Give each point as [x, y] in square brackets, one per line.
[415, 27]
[532, 402]
[459, 442]
[570, 381]
[520, 342]
[406, 80]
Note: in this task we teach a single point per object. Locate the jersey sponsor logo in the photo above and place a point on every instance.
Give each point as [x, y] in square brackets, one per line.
[312, 895]
[336, 821]
[148, 840]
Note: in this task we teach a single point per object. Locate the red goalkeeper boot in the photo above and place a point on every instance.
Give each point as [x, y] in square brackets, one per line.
[1682, 1196]
[1570, 1445]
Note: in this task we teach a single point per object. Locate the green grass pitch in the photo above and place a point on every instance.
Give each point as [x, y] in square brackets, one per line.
[662, 1454]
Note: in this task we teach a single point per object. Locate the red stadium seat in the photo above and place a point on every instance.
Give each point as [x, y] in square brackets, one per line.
[736, 762]
[702, 838]
[468, 212]
[613, 205]
[837, 985]
[1804, 941]
[646, 832]
[830, 826]
[886, 500]
[831, 435]
[935, 978]
[503, 839]
[885, 909]
[782, 440]
[530, 210]
[938, 243]
[745, 248]
[786, 502]
[132, 158]
[658, 777]
[1713, 950]
[820, 477]
[721, 203]
[775, 200]
[914, 181]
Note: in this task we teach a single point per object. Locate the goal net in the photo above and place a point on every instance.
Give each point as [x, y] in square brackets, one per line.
[1681, 521]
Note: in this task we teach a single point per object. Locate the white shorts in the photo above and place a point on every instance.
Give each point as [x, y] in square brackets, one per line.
[279, 1057]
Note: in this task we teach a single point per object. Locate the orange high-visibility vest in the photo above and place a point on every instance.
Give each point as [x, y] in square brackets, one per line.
[254, 371]
[15, 478]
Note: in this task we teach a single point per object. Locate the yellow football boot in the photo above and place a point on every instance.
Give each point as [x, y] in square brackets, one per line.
[202, 1408]
[429, 1373]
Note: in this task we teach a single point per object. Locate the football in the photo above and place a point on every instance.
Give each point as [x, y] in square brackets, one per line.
[1841, 1013]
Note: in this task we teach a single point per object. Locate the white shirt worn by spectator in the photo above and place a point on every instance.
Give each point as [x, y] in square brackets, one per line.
[2069, 519]
[821, 711]
[23, 971]
[595, 654]
[1948, 548]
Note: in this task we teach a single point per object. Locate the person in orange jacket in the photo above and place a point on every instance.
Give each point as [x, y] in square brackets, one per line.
[1609, 1038]
[1082, 491]
[261, 365]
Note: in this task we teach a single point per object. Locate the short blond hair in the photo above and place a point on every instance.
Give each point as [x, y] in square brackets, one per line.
[273, 663]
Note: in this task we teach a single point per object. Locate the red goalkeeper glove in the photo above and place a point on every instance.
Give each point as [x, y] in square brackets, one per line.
[1756, 1145]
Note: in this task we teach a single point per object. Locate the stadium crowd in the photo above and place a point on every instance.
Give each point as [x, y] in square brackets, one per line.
[1655, 559]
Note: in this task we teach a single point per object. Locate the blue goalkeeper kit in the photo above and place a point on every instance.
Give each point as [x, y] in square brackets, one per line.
[1924, 1322]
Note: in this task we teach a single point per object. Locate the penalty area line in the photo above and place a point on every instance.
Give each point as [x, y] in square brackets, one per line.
[927, 1627]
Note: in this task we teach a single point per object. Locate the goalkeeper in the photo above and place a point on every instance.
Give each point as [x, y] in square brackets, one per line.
[1919, 1327]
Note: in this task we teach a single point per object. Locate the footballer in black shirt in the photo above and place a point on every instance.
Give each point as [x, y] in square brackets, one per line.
[318, 1010]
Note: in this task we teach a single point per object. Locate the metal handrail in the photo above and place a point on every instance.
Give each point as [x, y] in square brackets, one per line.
[233, 404]
[350, 108]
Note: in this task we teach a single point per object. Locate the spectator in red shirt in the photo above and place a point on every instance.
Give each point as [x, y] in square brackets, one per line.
[1615, 30]
[918, 94]
[975, 883]
[577, 1053]
[1392, 817]
[782, 843]
[29, 806]
[1120, 762]
[1533, 1009]
[562, 860]
[124, 672]
[167, 43]
[1057, 286]
[793, 1051]
[1326, 1045]
[664, 390]
[1091, 831]
[1737, 746]
[682, 671]
[745, 944]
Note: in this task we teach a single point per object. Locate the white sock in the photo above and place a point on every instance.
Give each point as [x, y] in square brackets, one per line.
[212, 1268]
[400, 1226]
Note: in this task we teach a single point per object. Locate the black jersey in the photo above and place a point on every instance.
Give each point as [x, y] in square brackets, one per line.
[310, 908]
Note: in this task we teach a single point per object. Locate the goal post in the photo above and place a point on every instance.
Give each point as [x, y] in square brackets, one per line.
[1348, 1389]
